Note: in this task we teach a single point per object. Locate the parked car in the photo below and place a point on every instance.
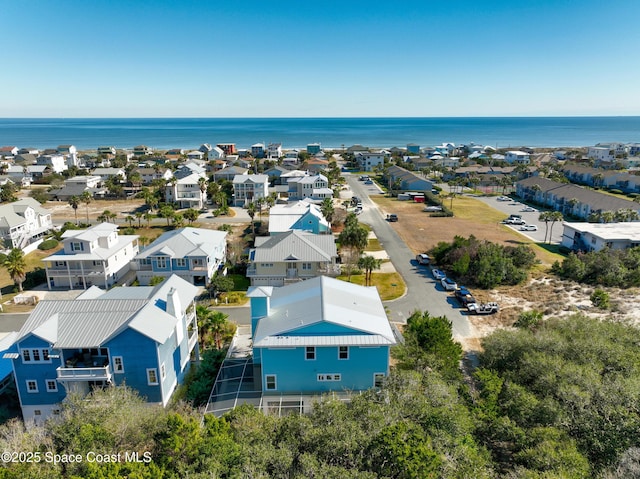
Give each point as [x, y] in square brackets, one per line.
[433, 208]
[364, 178]
[437, 274]
[529, 209]
[448, 284]
[392, 217]
[368, 182]
[483, 308]
[423, 258]
[464, 296]
[528, 228]
[503, 198]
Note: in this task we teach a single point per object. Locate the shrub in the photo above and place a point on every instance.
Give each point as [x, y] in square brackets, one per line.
[616, 192]
[48, 244]
[600, 299]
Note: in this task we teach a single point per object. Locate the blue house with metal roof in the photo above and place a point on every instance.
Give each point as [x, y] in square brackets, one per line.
[141, 336]
[317, 336]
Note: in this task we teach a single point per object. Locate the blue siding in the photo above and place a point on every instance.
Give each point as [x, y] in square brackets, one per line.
[259, 309]
[138, 353]
[295, 374]
[40, 372]
[174, 264]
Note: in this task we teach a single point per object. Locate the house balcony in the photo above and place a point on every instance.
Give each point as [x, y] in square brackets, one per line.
[97, 373]
[64, 271]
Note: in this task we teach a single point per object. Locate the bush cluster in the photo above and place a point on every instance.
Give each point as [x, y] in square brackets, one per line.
[48, 244]
[614, 268]
[482, 263]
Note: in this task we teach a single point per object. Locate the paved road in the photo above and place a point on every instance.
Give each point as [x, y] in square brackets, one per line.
[423, 294]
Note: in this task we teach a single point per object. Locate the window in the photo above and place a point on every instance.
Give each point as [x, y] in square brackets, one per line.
[77, 247]
[26, 356]
[162, 262]
[36, 355]
[118, 365]
[45, 355]
[270, 382]
[60, 263]
[52, 386]
[330, 377]
[37, 412]
[310, 353]
[152, 376]
[266, 265]
[181, 263]
[163, 371]
[306, 266]
[378, 379]
[32, 386]
[343, 352]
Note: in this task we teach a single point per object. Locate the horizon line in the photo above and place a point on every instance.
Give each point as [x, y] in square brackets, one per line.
[295, 117]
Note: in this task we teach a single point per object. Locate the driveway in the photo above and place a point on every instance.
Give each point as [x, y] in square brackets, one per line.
[423, 293]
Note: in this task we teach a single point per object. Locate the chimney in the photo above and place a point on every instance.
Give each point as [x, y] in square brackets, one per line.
[174, 307]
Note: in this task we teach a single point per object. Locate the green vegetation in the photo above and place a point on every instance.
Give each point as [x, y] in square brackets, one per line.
[389, 285]
[483, 263]
[607, 267]
[48, 244]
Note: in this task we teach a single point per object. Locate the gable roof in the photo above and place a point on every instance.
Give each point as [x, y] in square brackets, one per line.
[284, 217]
[324, 300]
[10, 214]
[185, 242]
[294, 245]
[82, 323]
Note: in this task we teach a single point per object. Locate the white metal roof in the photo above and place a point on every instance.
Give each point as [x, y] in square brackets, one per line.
[186, 242]
[295, 244]
[323, 299]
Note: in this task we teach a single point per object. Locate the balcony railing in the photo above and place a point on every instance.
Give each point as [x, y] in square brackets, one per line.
[84, 374]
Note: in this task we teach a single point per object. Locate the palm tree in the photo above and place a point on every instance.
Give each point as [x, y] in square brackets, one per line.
[554, 216]
[148, 217]
[251, 211]
[74, 201]
[546, 217]
[139, 218]
[259, 202]
[105, 217]
[202, 184]
[86, 198]
[369, 263]
[327, 209]
[16, 266]
[130, 219]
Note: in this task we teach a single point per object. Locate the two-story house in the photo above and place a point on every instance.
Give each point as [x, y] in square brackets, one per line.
[94, 256]
[369, 160]
[248, 188]
[56, 162]
[517, 157]
[292, 256]
[23, 224]
[301, 215]
[140, 336]
[142, 150]
[314, 187]
[317, 336]
[194, 254]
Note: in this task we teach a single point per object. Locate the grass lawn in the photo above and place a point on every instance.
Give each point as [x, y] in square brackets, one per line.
[390, 285]
[373, 245]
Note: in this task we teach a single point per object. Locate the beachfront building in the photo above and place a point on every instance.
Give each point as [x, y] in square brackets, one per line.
[597, 236]
[228, 148]
[142, 150]
[315, 337]
[292, 256]
[70, 152]
[194, 254]
[248, 188]
[94, 256]
[517, 157]
[142, 337]
[301, 215]
[314, 148]
[274, 151]
[23, 224]
[215, 153]
[257, 150]
[56, 162]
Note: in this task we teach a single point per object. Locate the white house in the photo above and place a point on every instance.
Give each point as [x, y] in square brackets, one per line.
[23, 224]
[517, 157]
[94, 256]
[215, 153]
[274, 150]
[368, 161]
[187, 192]
[248, 188]
[70, 152]
[56, 162]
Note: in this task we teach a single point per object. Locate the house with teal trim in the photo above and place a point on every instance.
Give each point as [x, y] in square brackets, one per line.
[194, 254]
[317, 336]
[142, 336]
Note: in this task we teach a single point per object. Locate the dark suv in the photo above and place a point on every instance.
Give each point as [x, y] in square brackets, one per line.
[392, 217]
[464, 296]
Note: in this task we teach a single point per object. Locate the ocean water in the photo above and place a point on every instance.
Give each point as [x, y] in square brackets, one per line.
[165, 133]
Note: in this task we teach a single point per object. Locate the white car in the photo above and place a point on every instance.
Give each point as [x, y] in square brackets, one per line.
[437, 274]
[529, 228]
[529, 209]
[433, 208]
[503, 198]
[448, 284]
[423, 258]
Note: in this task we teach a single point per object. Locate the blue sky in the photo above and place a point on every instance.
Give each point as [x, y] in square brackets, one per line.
[68, 58]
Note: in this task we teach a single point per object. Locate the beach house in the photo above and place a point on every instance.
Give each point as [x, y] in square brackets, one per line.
[23, 224]
[143, 337]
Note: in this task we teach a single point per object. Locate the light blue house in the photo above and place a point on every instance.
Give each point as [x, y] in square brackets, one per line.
[194, 254]
[141, 336]
[301, 215]
[317, 336]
